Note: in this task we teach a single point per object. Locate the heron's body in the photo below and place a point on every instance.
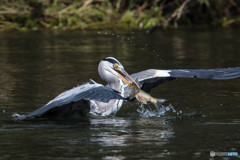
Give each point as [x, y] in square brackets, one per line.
[97, 99]
[108, 108]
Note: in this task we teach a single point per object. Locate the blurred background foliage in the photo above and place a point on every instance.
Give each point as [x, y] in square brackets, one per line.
[124, 14]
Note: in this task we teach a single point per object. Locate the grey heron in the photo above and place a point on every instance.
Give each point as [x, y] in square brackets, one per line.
[96, 99]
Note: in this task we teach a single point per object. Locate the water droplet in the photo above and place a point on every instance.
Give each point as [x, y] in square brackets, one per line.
[197, 154]
[167, 108]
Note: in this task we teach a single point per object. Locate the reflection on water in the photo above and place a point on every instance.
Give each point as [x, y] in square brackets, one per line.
[125, 135]
[101, 138]
[37, 66]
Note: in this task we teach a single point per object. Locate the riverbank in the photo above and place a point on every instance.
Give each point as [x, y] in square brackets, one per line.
[121, 14]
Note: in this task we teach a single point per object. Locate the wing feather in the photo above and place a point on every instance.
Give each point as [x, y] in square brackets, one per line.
[85, 92]
[151, 78]
[219, 73]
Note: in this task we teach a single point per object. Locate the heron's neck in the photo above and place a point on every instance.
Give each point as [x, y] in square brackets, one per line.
[118, 86]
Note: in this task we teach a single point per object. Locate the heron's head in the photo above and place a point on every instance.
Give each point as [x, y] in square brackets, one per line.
[112, 71]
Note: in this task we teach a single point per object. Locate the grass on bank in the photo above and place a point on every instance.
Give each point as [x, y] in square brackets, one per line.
[125, 14]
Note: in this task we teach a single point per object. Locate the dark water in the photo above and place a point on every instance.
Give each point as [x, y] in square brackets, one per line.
[37, 66]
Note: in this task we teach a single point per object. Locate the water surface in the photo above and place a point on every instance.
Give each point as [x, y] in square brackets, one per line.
[36, 66]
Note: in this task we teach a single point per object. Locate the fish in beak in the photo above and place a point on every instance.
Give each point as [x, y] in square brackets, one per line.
[136, 91]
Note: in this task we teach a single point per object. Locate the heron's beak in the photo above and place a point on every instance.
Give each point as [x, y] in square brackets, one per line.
[125, 76]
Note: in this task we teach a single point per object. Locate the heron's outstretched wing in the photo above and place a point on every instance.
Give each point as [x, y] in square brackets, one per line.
[151, 78]
[76, 99]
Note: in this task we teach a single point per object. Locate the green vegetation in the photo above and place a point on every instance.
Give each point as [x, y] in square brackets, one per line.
[134, 14]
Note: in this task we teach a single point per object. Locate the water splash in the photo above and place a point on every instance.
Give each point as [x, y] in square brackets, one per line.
[147, 111]
[131, 39]
[17, 116]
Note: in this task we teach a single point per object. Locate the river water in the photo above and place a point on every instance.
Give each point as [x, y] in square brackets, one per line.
[36, 66]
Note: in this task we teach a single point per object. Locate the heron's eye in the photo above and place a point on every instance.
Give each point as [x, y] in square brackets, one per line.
[115, 66]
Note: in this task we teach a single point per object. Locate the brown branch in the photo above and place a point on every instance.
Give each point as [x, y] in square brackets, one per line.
[143, 6]
[118, 6]
[233, 3]
[177, 13]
